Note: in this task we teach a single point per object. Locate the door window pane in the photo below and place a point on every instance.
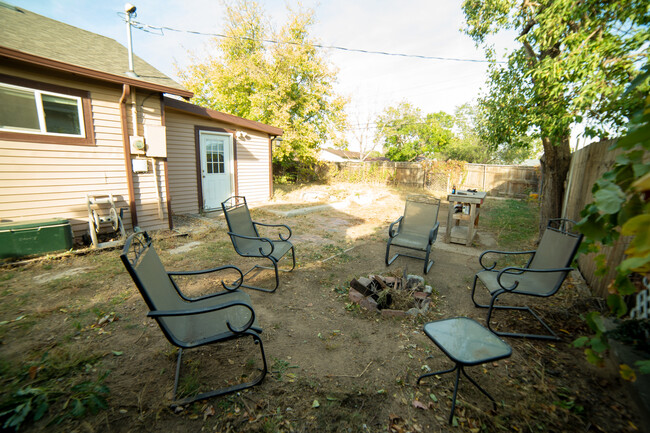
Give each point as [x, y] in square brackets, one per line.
[61, 115]
[214, 157]
[18, 109]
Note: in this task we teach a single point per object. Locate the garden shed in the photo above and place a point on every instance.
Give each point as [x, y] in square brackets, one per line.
[213, 155]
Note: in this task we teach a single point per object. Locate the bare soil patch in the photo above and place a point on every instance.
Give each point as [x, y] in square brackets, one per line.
[334, 367]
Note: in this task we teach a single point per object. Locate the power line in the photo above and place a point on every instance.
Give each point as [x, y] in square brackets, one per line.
[161, 31]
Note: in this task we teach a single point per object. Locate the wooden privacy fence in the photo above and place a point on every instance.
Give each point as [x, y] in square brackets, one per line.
[496, 180]
[587, 165]
[503, 180]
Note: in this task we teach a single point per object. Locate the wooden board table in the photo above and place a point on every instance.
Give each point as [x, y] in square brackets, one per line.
[456, 232]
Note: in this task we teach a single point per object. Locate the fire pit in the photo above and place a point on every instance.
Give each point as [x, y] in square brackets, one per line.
[391, 296]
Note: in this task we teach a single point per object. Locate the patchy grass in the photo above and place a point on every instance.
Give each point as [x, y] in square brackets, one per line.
[514, 223]
[333, 366]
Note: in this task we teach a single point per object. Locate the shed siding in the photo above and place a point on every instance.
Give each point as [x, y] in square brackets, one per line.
[252, 161]
[181, 161]
[253, 168]
[51, 180]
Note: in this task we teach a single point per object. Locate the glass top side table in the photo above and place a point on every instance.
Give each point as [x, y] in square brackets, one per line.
[466, 342]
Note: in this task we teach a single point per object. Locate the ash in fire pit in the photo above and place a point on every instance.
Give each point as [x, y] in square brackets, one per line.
[391, 296]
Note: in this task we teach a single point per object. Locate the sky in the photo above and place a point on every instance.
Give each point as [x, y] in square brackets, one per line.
[372, 82]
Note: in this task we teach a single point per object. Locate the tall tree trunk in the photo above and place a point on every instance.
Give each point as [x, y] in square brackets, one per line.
[555, 166]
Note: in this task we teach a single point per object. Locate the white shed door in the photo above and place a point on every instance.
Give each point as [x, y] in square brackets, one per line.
[216, 168]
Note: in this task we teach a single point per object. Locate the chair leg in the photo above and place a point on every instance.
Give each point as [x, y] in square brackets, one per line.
[550, 336]
[476, 304]
[276, 271]
[458, 368]
[427, 263]
[262, 289]
[494, 403]
[492, 306]
[221, 391]
[388, 262]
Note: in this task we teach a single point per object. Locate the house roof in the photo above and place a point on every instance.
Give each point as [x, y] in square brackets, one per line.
[347, 154]
[196, 110]
[33, 38]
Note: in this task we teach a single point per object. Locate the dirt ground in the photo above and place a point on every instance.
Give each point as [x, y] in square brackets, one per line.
[333, 367]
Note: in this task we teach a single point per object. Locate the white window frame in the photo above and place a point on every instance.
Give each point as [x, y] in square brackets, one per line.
[41, 113]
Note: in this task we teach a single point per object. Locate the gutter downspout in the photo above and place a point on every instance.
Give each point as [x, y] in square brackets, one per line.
[126, 142]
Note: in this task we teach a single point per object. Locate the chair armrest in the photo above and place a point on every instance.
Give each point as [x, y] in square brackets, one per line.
[519, 271]
[232, 288]
[204, 310]
[276, 225]
[433, 234]
[253, 238]
[510, 253]
[391, 232]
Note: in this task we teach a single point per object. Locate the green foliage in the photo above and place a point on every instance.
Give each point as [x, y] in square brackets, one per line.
[86, 396]
[469, 145]
[407, 134]
[568, 50]
[35, 402]
[621, 207]
[49, 386]
[572, 65]
[288, 85]
[22, 404]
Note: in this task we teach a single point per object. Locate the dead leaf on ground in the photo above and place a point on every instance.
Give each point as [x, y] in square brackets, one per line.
[419, 405]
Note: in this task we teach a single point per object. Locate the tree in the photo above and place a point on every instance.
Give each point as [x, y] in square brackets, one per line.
[287, 84]
[470, 146]
[573, 62]
[407, 134]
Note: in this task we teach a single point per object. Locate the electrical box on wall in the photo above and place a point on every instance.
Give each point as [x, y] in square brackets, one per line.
[140, 165]
[137, 145]
[156, 137]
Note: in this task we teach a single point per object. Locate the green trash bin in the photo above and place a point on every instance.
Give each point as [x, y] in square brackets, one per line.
[18, 239]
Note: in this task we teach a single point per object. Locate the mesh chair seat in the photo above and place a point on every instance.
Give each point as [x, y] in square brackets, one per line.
[252, 248]
[414, 240]
[531, 283]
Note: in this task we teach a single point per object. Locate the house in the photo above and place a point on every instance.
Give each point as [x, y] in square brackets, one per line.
[338, 155]
[75, 121]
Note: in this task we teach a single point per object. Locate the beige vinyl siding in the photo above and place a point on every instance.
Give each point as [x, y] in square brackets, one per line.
[253, 167]
[181, 160]
[252, 161]
[40, 181]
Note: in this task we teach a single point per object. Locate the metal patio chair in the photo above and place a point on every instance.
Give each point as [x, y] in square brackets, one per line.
[542, 276]
[417, 229]
[191, 322]
[248, 243]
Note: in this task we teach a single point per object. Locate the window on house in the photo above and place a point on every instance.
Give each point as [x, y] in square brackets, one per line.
[25, 110]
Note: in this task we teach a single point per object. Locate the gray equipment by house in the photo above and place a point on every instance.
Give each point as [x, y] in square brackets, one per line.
[190, 322]
[101, 213]
[417, 229]
[542, 276]
[248, 243]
